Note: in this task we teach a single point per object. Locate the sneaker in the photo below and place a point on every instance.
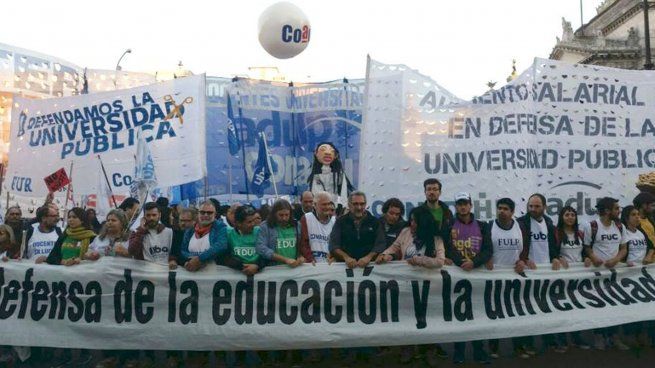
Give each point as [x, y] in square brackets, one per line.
[406, 354]
[61, 362]
[560, 349]
[111, 362]
[494, 354]
[312, 356]
[530, 350]
[582, 345]
[431, 359]
[458, 356]
[131, 363]
[617, 343]
[481, 357]
[83, 360]
[599, 342]
[440, 352]
[520, 353]
[6, 358]
[172, 362]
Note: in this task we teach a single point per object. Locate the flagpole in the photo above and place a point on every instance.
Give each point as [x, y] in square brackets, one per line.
[104, 172]
[295, 141]
[243, 142]
[229, 174]
[68, 189]
[268, 162]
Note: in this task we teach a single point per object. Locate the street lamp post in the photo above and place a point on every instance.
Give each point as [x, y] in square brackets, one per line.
[649, 64]
[118, 64]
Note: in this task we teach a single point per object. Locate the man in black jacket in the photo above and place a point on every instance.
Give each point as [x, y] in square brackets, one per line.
[543, 250]
[391, 223]
[442, 215]
[439, 209]
[543, 246]
[352, 239]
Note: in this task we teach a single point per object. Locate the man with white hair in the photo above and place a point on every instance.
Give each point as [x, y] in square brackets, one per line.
[315, 228]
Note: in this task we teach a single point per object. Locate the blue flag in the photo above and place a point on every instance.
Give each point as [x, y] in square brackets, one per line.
[145, 178]
[232, 137]
[261, 178]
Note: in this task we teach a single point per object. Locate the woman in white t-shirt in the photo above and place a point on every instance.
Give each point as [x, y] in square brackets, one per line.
[640, 249]
[569, 239]
[113, 237]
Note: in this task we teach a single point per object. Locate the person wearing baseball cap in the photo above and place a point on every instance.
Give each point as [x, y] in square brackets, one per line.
[469, 247]
[644, 203]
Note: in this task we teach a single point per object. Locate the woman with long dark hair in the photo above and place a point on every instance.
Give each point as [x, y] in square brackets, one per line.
[70, 249]
[72, 245]
[419, 243]
[640, 252]
[569, 239]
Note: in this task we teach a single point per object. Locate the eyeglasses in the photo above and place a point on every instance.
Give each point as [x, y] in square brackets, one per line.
[249, 211]
[206, 213]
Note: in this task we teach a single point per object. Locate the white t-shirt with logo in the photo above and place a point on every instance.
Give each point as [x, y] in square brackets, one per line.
[637, 246]
[608, 240]
[539, 241]
[199, 245]
[507, 244]
[157, 246]
[571, 249]
[40, 244]
[319, 236]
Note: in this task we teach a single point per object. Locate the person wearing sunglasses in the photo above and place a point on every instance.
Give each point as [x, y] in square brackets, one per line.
[206, 242]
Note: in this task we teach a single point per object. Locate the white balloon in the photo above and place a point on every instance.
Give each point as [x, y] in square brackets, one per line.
[284, 30]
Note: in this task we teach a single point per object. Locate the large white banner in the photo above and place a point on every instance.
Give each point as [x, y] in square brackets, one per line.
[47, 135]
[572, 132]
[123, 304]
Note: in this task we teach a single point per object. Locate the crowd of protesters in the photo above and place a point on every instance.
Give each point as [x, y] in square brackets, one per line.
[249, 240]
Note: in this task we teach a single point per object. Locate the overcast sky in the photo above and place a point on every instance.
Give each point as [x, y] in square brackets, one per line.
[460, 44]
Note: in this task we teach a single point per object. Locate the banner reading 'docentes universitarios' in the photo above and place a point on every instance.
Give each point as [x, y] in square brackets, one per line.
[122, 304]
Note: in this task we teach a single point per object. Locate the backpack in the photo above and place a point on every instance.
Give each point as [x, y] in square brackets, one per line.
[594, 230]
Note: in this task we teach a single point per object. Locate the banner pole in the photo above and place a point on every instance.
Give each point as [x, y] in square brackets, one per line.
[243, 143]
[68, 188]
[111, 191]
[295, 143]
[268, 162]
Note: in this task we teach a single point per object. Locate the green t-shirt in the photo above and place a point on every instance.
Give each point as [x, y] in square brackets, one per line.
[437, 213]
[286, 242]
[242, 247]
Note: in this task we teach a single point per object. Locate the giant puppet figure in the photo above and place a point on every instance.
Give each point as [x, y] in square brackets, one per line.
[328, 174]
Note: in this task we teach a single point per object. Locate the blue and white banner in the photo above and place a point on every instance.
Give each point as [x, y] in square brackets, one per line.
[574, 133]
[294, 119]
[49, 134]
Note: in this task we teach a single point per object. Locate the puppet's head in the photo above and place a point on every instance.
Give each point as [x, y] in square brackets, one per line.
[326, 153]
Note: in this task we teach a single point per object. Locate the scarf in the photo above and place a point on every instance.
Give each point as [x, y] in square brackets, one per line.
[82, 235]
[201, 231]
